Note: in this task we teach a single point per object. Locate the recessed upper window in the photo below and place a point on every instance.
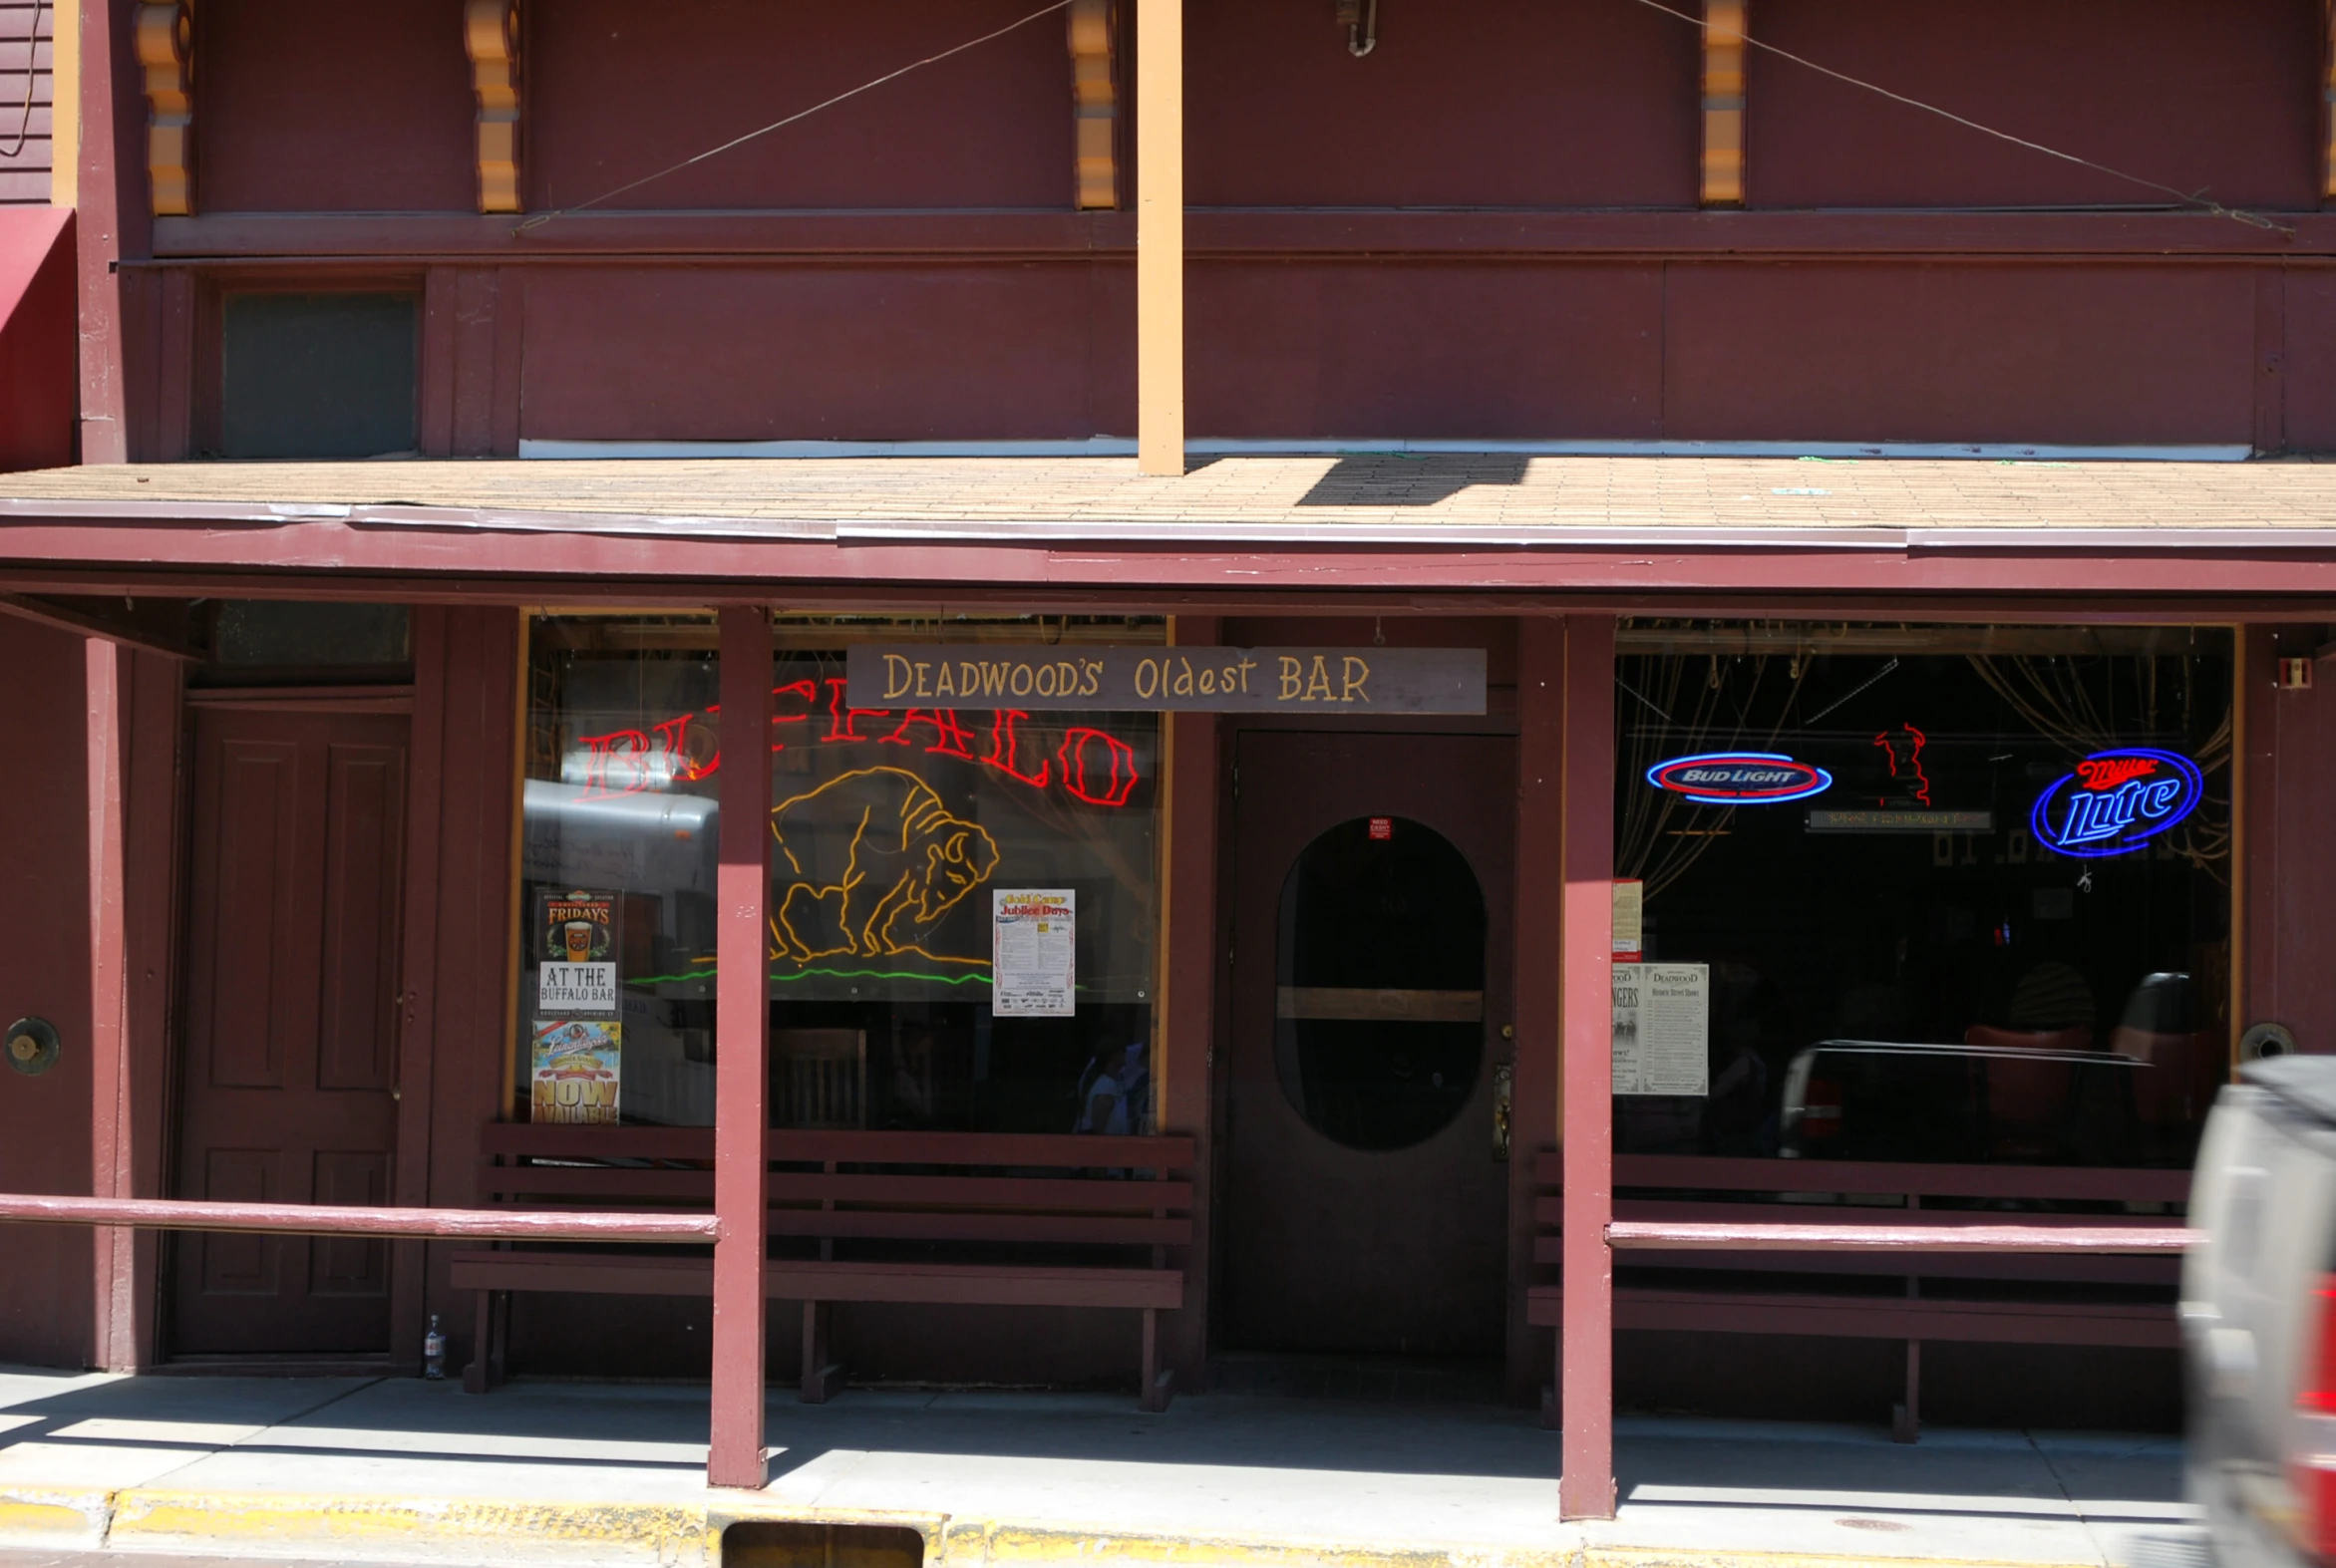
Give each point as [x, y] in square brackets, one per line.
[318, 375]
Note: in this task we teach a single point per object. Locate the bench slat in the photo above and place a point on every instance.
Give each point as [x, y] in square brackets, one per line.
[1715, 1173]
[1879, 1317]
[1133, 1230]
[945, 1284]
[1164, 1151]
[1021, 1192]
[2081, 1269]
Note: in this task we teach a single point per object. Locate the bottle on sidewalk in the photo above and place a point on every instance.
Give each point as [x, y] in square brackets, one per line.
[434, 1352]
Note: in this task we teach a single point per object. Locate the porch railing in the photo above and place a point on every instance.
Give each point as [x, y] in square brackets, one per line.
[1945, 1234]
[305, 1219]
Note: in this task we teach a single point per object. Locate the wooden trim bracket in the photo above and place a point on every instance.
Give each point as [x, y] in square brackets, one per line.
[2328, 104]
[491, 36]
[1723, 22]
[164, 37]
[1095, 107]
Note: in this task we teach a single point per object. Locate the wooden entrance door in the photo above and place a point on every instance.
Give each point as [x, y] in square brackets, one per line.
[290, 1034]
[1365, 1211]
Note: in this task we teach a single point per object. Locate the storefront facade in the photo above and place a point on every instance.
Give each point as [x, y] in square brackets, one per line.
[1800, 713]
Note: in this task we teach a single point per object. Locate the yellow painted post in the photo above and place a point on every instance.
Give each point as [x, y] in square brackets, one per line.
[64, 104]
[1160, 237]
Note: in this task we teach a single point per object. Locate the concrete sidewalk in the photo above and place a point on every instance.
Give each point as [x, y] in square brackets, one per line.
[398, 1470]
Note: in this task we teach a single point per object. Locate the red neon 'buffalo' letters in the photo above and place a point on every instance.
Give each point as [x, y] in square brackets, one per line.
[628, 762]
[1121, 771]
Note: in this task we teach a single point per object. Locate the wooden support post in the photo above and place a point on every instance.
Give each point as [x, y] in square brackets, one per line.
[112, 1336]
[1722, 101]
[1585, 1354]
[742, 1033]
[1160, 237]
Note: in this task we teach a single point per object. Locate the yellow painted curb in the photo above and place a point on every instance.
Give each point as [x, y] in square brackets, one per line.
[1008, 1546]
[669, 1535]
[1653, 1557]
[689, 1536]
[49, 1515]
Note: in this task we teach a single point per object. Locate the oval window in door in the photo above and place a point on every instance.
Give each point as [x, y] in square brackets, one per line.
[1378, 994]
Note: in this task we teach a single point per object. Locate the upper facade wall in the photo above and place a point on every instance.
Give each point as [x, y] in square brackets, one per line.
[2220, 98]
[1467, 103]
[27, 60]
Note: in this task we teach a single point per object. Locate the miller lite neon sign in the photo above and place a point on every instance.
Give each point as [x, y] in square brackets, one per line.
[2115, 801]
[1740, 778]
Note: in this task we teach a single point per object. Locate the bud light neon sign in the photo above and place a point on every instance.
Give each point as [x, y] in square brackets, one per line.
[1740, 778]
[2117, 801]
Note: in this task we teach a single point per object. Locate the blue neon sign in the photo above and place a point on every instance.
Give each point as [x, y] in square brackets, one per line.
[2115, 801]
[1740, 778]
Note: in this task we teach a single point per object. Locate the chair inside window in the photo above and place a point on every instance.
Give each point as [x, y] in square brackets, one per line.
[822, 1078]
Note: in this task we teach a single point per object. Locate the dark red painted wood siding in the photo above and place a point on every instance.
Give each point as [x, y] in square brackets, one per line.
[917, 350]
[26, 34]
[1491, 103]
[326, 109]
[1424, 349]
[617, 91]
[1799, 351]
[2218, 98]
[45, 1289]
[1969, 353]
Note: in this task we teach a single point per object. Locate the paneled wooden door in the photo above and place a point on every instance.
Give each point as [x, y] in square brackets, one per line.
[287, 1088]
[1364, 1209]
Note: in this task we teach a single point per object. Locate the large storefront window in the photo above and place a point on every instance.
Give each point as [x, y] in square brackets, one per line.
[1921, 893]
[904, 843]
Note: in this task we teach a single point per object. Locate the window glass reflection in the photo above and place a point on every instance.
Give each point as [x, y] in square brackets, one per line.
[1962, 894]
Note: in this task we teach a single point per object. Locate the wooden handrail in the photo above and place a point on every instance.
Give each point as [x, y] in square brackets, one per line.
[1687, 1236]
[303, 1219]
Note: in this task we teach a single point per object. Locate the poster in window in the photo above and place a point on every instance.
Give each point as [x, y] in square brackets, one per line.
[1662, 1029]
[587, 990]
[1034, 953]
[1629, 919]
[577, 1069]
[576, 927]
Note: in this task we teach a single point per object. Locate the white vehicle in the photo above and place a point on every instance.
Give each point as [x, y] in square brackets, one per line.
[2258, 1314]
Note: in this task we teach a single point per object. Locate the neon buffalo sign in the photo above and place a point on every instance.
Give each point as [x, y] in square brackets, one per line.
[1740, 778]
[2117, 801]
[1088, 765]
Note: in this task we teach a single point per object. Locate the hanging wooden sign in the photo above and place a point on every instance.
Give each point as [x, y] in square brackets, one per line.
[1174, 680]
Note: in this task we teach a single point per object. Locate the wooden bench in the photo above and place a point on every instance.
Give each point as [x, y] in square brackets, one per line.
[1869, 1295]
[947, 1218]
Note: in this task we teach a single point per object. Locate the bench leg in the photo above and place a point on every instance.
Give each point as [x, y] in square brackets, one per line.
[489, 1323]
[1159, 1386]
[1906, 1418]
[820, 1377]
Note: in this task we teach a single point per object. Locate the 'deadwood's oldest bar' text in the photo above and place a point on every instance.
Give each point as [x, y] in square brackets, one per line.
[1207, 680]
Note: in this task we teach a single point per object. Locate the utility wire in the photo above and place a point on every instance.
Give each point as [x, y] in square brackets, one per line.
[2197, 199]
[779, 124]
